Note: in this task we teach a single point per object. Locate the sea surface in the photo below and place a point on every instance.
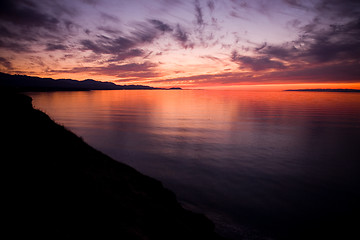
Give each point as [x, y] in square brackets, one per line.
[261, 165]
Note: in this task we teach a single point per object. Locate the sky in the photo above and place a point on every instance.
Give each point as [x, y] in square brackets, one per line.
[223, 44]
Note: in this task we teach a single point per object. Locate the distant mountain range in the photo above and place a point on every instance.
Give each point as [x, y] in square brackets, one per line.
[27, 83]
[323, 90]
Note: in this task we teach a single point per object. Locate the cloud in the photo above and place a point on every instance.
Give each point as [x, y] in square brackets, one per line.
[327, 38]
[161, 26]
[131, 70]
[198, 13]
[109, 17]
[215, 59]
[120, 46]
[54, 47]
[334, 44]
[182, 37]
[15, 46]
[108, 30]
[106, 45]
[326, 73]
[136, 52]
[261, 47]
[91, 2]
[338, 8]
[339, 42]
[256, 63]
[211, 5]
[5, 63]
[331, 73]
[296, 4]
[6, 33]
[27, 25]
[25, 13]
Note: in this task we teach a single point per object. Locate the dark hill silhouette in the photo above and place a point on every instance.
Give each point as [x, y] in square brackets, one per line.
[57, 186]
[27, 83]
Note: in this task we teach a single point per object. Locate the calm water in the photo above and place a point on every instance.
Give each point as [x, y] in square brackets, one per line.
[258, 164]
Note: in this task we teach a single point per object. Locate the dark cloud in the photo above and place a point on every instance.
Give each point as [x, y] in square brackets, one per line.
[293, 24]
[15, 46]
[198, 13]
[126, 46]
[128, 54]
[5, 63]
[324, 73]
[131, 70]
[211, 5]
[182, 37]
[215, 59]
[96, 47]
[159, 25]
[261, 47]
[109, 17]
[108, 30]
[27, 25]
[338, 8]
[91, 2]
[171, 2]
[6, 33]
[105, 45]
[143, 33]
[284, 51]
[54, 47]
[297, 4]
[70, 25]
[328, 9]
[256, 63]
[26, 13]
[336, 43]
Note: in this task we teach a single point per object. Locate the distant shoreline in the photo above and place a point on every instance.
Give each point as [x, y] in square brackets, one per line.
[23, 83]
[322, 90]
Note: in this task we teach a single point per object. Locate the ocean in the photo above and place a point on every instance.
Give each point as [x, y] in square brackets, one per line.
[260, 165]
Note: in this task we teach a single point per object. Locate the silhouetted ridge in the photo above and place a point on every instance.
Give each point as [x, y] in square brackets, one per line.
[27, 83]
[57, 186]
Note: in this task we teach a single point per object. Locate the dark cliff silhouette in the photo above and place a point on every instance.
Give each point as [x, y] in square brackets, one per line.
[55, 185]
[27, 83]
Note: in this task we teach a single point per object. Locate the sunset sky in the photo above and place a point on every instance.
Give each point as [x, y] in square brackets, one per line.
[184, 43]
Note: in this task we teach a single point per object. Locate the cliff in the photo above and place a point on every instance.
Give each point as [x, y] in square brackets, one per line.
[55, 185]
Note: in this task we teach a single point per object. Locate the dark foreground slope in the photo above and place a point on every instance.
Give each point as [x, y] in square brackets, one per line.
[55, 185]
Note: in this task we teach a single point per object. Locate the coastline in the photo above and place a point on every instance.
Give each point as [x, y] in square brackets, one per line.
[59, 186]
[323, 90]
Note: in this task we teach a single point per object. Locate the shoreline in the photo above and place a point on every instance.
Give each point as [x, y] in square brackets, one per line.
[323, 90]
[58, 185]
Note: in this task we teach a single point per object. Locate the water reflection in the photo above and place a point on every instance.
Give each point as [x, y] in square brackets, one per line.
[264, 160]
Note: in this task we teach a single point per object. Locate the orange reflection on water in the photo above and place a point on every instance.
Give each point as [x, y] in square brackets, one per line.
[211, 114]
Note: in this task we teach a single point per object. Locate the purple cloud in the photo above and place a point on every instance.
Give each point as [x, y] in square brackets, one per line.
[131, 70]
[256, 63]
[5, 63]
[54, 47]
